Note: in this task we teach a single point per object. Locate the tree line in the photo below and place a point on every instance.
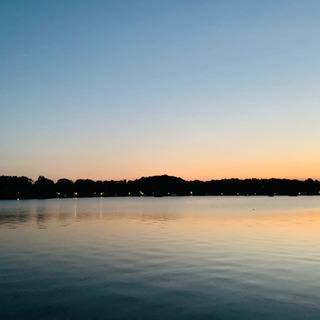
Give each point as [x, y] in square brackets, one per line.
[13, 187]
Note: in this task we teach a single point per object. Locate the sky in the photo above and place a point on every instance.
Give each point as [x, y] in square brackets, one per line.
[124, 89]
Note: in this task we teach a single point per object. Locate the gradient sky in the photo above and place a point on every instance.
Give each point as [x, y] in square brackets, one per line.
[124, 89]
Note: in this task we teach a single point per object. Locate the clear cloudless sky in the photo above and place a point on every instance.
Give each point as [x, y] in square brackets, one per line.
[123, 89]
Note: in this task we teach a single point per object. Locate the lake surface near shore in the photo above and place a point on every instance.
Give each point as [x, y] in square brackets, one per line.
[160, 258]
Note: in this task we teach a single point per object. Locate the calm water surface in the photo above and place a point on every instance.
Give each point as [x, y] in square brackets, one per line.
[160, 258]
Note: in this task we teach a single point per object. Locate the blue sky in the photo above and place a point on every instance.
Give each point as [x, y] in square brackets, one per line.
[197, 89]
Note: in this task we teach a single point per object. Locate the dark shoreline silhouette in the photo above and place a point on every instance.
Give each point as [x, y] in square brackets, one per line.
[13, 187]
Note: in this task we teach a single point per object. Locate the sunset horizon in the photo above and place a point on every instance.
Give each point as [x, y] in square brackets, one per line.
[186, 178]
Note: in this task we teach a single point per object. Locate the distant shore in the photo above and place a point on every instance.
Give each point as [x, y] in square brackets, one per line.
[13, 187]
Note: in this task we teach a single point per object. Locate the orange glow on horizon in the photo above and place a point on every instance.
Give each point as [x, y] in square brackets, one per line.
[187, 168]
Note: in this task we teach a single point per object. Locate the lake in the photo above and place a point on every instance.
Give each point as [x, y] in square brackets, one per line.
[160, 258]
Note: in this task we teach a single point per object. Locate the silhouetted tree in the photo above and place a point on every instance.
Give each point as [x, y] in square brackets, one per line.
[85, 187]
[64, 188]
[15, 187]
[44, 188]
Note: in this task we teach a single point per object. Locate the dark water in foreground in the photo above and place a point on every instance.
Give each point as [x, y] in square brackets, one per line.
[160, 258]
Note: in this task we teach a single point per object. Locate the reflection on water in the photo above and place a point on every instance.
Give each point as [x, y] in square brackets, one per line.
[160, 258]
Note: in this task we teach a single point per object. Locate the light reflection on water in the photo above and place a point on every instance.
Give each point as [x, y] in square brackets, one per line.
[160, 258]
